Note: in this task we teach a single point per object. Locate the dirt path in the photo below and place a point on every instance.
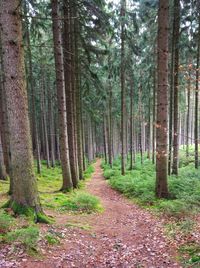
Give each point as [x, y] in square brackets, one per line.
[124, 235]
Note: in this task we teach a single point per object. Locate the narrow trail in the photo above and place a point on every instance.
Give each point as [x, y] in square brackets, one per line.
[124, 235]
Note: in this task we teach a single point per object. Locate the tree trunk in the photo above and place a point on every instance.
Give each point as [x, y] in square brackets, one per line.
[188, 113]
[123, 95]
[176, 87]
[60, 86]
[196, 125]
[162, 101]
[131, 124]
[25, 192]
[69, 93]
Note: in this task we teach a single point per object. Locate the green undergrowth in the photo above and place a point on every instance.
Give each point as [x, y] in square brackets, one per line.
[77, 201]
[179, 209]
[21, 231]
[190, 255]
[78, 225]
[139, 184]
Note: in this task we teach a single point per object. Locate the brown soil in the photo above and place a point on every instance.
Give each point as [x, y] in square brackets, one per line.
[124, 235]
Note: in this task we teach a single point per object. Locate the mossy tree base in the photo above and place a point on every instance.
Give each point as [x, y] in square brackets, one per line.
[34, 213]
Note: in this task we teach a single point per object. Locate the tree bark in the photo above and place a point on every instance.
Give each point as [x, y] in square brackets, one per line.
[176, 87]
[25, 192]
[123, 99]
[60, 86]
[162, 101]
[196, 125]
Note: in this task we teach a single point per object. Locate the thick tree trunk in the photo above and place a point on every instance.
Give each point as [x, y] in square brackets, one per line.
[162, 101]
[60, 86]
[25, 192]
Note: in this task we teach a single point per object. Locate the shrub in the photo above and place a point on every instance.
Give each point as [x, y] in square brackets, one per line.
[52, 239]
[88, 172]
[28, 237]
[175, 208]
[6, 222]
[82, 202]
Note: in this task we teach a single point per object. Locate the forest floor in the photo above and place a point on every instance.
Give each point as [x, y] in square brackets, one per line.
[123, 235]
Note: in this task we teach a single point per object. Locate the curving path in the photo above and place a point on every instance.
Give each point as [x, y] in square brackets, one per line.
[123, 236]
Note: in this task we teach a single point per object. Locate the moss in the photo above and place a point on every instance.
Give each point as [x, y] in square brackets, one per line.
[42, 218]
[29, 212]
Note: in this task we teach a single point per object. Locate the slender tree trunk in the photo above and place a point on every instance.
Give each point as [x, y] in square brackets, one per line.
[176, 86]
[105, 139]
[60, 86]
[69, 87]
[154, 118]
[171, 103]
[123, 95]
[131, 124]
[188, 113]
[3, 174]
[25, 192]
[52, 130]
[162, 101]
[44, 119]
[35, 137]
[196, 125]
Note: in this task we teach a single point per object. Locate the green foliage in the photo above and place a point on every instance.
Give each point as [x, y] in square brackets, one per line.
[52, 239]
[82, 202]
[88, 172]
[190, 254]
[28, 237]
[86, 227]
[175, 208]
[185, 227]
[6, 222]
[139, 184]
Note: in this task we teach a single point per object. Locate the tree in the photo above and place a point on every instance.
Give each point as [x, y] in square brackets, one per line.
[162, 101]
[25, 195]
[122, 74]
[60, 85]
[176, 26]
[196, 125]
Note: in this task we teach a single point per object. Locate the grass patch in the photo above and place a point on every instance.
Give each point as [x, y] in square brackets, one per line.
[85, 227]
[184, 227]
[81, 202]
[52, 238]
[28, 237]
[6, 222]
[190, 255]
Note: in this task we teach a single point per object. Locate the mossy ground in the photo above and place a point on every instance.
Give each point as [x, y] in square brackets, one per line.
[22, 229]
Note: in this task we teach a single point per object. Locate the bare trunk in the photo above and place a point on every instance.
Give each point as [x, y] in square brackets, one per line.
[60, 86]
[176, 87]
[123, 95]
[25, 192]
[162, 101]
